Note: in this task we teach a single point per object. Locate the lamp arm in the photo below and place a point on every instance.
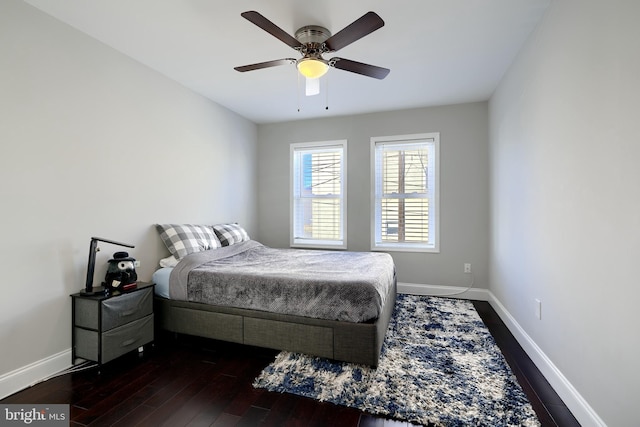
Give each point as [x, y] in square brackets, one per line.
[112, 242]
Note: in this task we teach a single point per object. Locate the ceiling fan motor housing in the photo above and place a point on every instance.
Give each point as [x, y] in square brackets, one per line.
[312, 38]
[312, 34]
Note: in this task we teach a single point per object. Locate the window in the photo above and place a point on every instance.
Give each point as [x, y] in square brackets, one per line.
[405, 192]
[318, 183]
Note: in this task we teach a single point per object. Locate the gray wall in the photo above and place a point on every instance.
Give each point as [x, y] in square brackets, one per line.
[565, 144]
[464, 192]
[95, 144]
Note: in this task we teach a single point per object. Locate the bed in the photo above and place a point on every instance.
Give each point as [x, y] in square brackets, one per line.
[333, 304]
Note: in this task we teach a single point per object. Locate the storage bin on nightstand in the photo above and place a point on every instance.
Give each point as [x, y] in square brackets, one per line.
[106, 327]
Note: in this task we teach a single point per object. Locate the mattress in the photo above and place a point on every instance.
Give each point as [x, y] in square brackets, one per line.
[161, 279]
[331, 285]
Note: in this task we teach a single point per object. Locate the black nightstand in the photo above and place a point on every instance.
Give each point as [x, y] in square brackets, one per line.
[106, 327]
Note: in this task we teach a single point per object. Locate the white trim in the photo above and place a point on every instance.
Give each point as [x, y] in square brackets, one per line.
[403, 247]
[444, 291]
[319, 145]
[318, 244]
[434, 211]
[28, 375]
[578, 406]
[31, 374]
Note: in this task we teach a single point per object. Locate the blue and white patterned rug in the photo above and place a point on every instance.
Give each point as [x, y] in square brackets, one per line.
[439, 366]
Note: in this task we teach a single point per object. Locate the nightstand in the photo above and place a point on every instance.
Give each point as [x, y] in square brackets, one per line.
[108, 326]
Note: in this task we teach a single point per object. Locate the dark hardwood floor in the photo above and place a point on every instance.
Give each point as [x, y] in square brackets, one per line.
[550, 409]
[197, 382]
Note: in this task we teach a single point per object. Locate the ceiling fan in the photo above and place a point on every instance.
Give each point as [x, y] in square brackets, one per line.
[312, 41]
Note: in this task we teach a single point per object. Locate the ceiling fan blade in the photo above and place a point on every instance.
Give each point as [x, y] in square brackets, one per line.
[267, 64]
[359, 68]
[271, 28]
[366, 24]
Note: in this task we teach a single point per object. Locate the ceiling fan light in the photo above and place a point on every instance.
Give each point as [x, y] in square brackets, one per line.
[312, 68]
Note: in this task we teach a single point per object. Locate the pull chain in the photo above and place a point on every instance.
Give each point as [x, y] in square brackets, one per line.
[326, 107]
[298, 90]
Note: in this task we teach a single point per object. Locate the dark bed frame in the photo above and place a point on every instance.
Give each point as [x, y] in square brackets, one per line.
[344, 341]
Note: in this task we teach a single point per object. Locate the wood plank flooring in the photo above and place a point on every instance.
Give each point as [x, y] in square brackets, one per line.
[197, 382]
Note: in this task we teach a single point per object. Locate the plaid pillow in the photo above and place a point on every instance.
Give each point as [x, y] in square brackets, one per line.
[185, 239]
[229, 234]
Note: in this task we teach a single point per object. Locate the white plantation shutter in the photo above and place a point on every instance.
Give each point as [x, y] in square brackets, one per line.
[405, 192]
[318, 194]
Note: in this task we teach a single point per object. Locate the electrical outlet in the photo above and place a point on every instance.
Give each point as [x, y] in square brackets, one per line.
[467, 267]
[136, 264]
[538, 306]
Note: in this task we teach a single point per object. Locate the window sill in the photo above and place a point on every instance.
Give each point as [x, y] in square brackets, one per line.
[404, 248]
[318, 245]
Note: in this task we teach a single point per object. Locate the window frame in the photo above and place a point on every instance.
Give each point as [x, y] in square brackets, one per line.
[294, 241]
[433, 139]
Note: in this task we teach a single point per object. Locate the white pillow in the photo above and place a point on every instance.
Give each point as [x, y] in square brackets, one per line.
[169, 261]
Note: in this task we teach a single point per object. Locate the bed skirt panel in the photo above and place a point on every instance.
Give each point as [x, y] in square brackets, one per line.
[309, 339]
[345, 341]
[209, 324]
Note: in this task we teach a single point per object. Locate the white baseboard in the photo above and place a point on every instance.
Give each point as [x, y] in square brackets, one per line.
[579, 407]
[28, 375]
[33, 373]
[444, 291]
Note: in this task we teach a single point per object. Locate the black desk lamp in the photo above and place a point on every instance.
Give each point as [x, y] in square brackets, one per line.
[93, 248]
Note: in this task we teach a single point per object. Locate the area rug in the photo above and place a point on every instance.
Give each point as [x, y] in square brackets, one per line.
[439, 366]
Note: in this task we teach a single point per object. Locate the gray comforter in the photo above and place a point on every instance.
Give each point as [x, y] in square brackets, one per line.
[333, 285]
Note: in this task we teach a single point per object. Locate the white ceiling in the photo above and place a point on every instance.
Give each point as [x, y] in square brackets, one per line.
[439, 51]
